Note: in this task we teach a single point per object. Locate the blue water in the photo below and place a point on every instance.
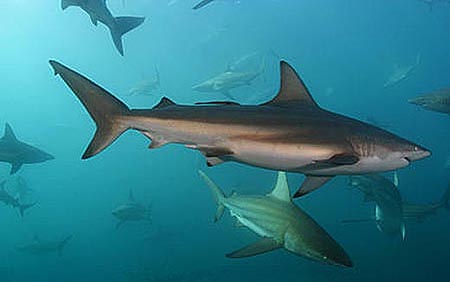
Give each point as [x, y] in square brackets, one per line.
[344, 50]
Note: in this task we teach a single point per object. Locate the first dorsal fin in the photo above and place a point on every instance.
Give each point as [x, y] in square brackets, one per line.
[165, 102]
[292, 88]
[9, 133]
[131, 196]
[281, 190]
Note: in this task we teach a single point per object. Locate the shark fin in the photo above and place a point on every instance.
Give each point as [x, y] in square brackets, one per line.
[108, 112]
[292, 89]
[9, 134]
[403, 231]
[23, 208]
[311, 183]
[202, 4]
[396, 179]
[165, 102]
[218, 195]
[62, 244]
[67, 3]
[281, 190]
[15, 167]
[122, 26]
[131, 196]
[264, 245]
[213, 161]
[212, 153]
[94, 21]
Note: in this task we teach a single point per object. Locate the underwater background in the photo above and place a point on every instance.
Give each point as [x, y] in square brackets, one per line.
[344, 51]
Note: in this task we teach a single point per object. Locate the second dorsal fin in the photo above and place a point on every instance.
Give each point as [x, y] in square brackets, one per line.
[292, 88]
[165, 102]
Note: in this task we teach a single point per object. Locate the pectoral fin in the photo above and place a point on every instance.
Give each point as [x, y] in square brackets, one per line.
[311, 183]
[15, 167]
[262, 246]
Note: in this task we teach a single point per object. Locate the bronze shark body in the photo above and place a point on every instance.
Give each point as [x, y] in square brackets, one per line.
[289, 133]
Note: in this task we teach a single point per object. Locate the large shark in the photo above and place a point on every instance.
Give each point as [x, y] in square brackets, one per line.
[437, 101]
[18, 153]
[132, 211]
[280, 222]
[400, 73]
[99, 12]
[39, 247]
[289, 133]
[229, 80]
[9, 200]
[419, 212]
[388, 215]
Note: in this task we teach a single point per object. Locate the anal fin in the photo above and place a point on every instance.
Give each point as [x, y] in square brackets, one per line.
[311, 183]
[262, 246]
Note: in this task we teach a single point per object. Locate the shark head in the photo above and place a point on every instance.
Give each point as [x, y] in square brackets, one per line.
[35, 155]
[321, 247]
[383, 151]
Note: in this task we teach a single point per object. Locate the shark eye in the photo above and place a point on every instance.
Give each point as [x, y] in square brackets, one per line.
[416, 148]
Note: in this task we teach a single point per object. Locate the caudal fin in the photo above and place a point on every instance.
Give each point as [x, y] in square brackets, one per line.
[62, 244]
[122, 26]
[109, 114]
[218, 195]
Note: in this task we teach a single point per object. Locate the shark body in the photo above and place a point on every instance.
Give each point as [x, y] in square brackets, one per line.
[99, 12]
[388, 215]
[437, 101]
[280, 223]
[289, 133]
[18, 153]
[131, 211]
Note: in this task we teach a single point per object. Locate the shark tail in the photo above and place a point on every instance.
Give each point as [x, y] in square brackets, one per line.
[111, 115]
[63, 244]
[23, 208]
[202, 4]
[218, 195]
[122, 26]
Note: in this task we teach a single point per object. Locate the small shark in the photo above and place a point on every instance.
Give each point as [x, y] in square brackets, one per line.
[389, 215]
[38, 247]
[400, 73]
[18, 187]
[288, 133]
[431, 3]
[437, 101]
[419, 212]
[99, 12]
[132, 211]
[9, 200]
[280, 223]
[229, 80]
[18, 153]
[201, 4]
[146, 87]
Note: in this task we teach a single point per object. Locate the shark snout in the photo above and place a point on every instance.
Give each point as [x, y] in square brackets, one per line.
[417, 153]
